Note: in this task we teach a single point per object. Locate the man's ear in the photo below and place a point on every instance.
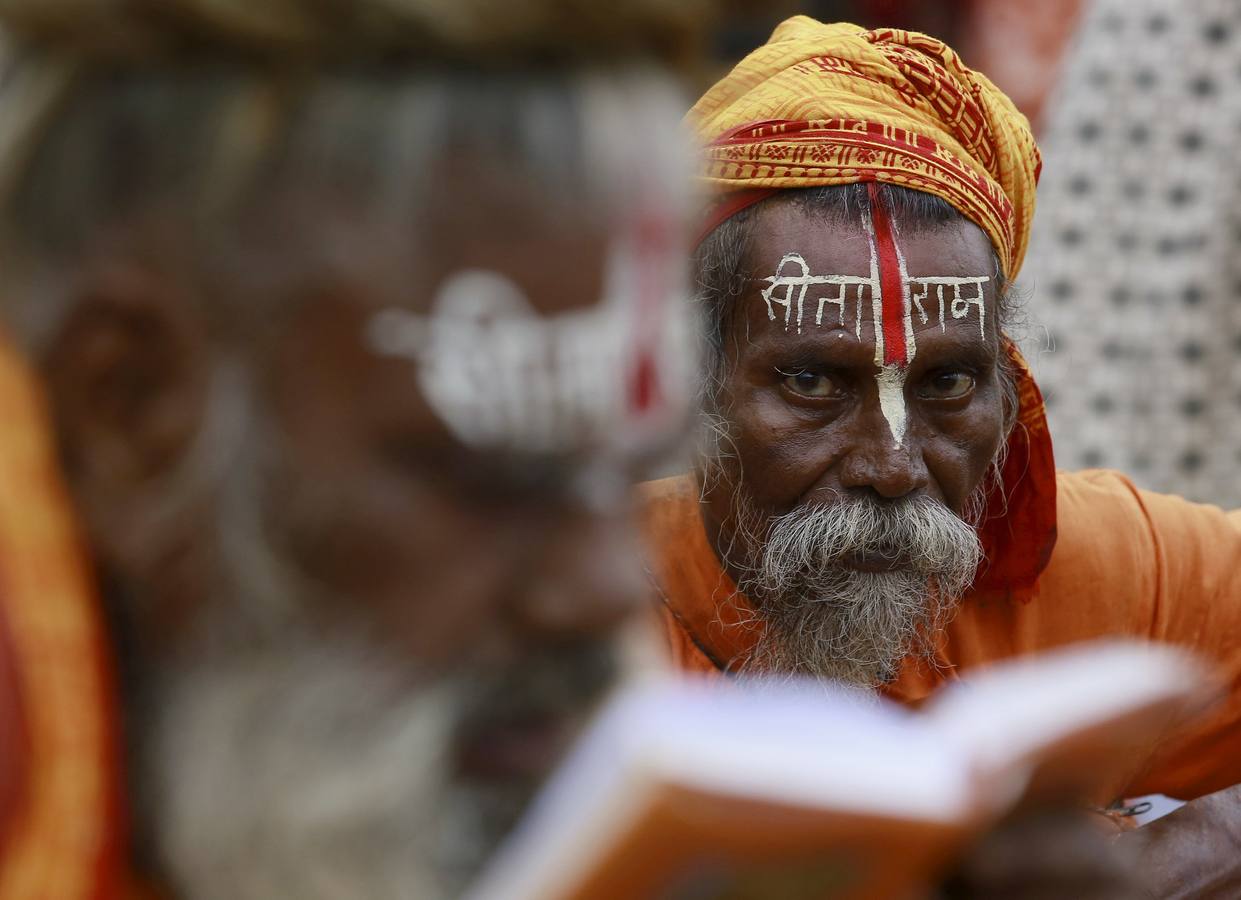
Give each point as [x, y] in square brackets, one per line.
[127, 375]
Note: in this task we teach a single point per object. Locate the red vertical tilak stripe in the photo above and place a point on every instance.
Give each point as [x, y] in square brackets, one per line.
[894, 349]
[652, 237]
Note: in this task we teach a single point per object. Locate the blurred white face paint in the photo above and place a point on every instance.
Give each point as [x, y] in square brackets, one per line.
[616, 373]
[500, 375]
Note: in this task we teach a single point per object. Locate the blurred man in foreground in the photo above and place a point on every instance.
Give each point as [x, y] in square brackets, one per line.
[353, 328]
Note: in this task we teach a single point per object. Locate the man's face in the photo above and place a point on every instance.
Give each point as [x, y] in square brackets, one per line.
[822, 421]
[398, 621]
[464, 548]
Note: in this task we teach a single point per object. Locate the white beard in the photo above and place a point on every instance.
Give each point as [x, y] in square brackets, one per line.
[823, 617]
[281, 760]
[311, 772]
[855, 628]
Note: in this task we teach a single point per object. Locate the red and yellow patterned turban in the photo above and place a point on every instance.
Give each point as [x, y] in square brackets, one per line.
[837, 104]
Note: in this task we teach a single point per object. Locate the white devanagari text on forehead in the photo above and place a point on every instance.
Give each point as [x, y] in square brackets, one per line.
[965, 293]
[794, 279]
[790, 300]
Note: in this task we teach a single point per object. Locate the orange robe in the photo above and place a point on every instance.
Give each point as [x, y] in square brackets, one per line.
[62, 817]
[1126, 562]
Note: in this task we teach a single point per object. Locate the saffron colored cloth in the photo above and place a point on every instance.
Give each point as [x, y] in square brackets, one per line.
[1128, 563]
[61, 810]
[837, 104]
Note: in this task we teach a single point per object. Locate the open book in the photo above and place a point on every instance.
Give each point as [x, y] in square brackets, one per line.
[703, 790]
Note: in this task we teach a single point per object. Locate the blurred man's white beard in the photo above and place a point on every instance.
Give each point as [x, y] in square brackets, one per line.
[309, 772]
[282, 760]
[824, 617]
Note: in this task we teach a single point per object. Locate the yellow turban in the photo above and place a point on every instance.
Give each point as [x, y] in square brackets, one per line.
[837, 104]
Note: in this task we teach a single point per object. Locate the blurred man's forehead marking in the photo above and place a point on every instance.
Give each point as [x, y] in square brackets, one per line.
[499, 374]
[895, 295]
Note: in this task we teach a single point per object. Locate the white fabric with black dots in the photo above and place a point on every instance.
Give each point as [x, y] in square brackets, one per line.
[1135, 265]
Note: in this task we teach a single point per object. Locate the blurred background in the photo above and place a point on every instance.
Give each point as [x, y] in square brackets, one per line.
[1132, 288]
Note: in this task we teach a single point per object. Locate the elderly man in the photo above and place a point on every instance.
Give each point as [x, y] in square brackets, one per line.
[877, 501]
[350, 356]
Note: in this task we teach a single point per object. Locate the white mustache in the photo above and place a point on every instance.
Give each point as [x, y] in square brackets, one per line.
[920, 535]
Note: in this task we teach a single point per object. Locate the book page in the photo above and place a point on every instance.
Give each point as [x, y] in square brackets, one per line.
[716, 769]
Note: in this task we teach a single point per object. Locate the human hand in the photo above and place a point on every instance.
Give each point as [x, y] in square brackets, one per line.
[1045, 854]
[1194, 852]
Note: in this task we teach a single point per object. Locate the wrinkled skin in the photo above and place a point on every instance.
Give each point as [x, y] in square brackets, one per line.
[1045, 854]
[805, 438]
[1193, 852]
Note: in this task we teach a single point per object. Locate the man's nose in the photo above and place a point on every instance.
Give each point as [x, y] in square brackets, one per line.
[585, 581]
[875, 460]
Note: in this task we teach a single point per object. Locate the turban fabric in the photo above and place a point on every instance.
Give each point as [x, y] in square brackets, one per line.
[835, 104]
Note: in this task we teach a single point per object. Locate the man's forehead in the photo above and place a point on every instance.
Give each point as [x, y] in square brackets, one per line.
[806, 274]
[844, 247]
[558, 264]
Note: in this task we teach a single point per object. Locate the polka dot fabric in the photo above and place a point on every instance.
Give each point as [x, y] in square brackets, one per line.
[1135, 264]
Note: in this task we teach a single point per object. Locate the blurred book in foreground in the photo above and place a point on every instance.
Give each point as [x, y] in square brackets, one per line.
[744, 790]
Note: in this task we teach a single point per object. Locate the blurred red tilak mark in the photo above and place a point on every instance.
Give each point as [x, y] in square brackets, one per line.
[892, 287]
[651, 247]
[644, 392]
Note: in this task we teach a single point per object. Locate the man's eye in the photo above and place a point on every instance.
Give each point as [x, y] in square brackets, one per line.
[810, 384]
[949, 386]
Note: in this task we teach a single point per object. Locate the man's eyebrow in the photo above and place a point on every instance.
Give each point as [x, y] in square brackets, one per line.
[961, 347]
[814, 355]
